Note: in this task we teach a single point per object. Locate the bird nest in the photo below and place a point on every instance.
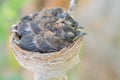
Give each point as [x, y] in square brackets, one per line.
[50, 61]
[62, 59]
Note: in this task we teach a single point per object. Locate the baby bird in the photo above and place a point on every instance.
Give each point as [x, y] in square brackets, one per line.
[47, 31]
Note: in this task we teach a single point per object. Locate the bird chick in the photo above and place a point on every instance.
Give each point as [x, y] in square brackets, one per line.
[47, 31]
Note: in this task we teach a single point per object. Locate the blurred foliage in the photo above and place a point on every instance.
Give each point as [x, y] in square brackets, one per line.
[13, 77]
[9, 14]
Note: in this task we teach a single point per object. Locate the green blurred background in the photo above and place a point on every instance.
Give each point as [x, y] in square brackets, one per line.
[101, 59]
[9, 14]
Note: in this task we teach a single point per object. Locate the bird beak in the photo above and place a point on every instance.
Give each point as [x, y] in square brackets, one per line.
[14, 28]
[80, 35]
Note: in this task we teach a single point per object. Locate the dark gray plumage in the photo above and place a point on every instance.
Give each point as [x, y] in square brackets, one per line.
[23, 29]
[47, 31]
[35, 28]
[27, 43]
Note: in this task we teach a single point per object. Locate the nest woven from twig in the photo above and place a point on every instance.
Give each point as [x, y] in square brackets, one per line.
[57, 59]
